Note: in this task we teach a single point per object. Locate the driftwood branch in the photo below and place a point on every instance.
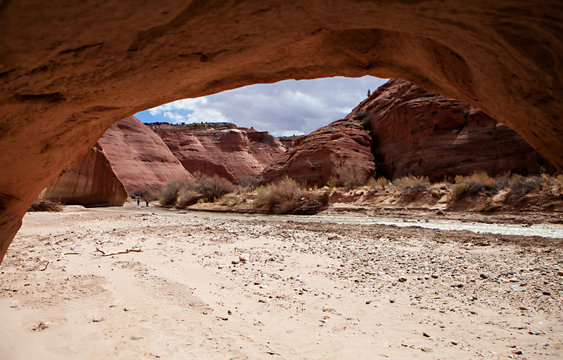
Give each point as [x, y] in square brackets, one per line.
[119, 252]
[44, 267]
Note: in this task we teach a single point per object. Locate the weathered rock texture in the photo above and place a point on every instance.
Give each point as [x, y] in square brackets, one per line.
[223, 149]
[139, 157]
[68, 70]
[288, 141]
[341, 151]
[418, 132]
[90, 182]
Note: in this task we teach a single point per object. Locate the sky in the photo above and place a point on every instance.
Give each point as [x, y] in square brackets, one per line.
[285, 108]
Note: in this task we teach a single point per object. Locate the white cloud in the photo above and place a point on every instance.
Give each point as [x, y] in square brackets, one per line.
[284, 108]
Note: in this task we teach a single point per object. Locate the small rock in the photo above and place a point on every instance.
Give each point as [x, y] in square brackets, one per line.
[368, 302]
[425, 334]
[546, 293]
[391, 301]
[516, 352]
[513, 280]
[332, 236]
[244, 257]
[454, 342]
[42, 326]
[402, 279]
[434, 276]
[136, 337]
[234, 262]
[484, 276]
[426, 349]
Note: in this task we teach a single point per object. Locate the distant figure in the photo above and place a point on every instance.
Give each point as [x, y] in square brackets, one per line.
[138, 202]
[147, 202]
[369, 92]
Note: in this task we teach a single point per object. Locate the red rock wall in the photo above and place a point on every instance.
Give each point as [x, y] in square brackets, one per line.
[68, 70]
[421, 133]
[340, 150]
[139, 157]
[90, 182]
[233, 153]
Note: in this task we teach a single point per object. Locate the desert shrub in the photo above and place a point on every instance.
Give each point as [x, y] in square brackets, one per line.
[380, 183]
[288, 197]
[351, 178]
[46, 205]
[412, 184]
[280, 195]
[332, 182]
[558, 183]
[470, 185]
[520, 186]
[186, 197]
[169, 194]
[213, 187]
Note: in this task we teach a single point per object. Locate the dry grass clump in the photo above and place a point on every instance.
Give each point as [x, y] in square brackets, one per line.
[520, 185]
[412, 184]
[471, 185]
[184, 192]
[288, 197]
[380, 183]
[46, 205]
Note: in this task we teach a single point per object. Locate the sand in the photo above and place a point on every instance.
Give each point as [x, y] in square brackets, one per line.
[305, 291]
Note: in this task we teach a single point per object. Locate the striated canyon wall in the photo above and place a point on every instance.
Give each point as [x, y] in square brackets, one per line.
[140, 159]
[90, 182]
[223, 149]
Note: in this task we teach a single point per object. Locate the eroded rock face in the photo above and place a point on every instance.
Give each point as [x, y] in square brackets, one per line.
[339, 151]
[418, 132]
[70, 70]
[139, 157]
[223, 149]
[90, 182]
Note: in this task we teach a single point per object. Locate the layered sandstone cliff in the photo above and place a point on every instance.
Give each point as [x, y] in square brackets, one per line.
[90, 182]
[223, 149]
[339, 151]
[403, 129]
[139, 157]
[418, 132]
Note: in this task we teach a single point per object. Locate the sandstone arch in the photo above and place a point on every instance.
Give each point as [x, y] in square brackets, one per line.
[70, 69]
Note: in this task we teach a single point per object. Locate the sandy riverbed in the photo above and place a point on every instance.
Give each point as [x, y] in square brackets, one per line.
[307, 291]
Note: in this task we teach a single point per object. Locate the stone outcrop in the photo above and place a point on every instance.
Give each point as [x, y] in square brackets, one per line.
[70, 70]
[339, 151]
[139, 157]
[223, 149]
[288, 141]
[418, 132]
[90, 182]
